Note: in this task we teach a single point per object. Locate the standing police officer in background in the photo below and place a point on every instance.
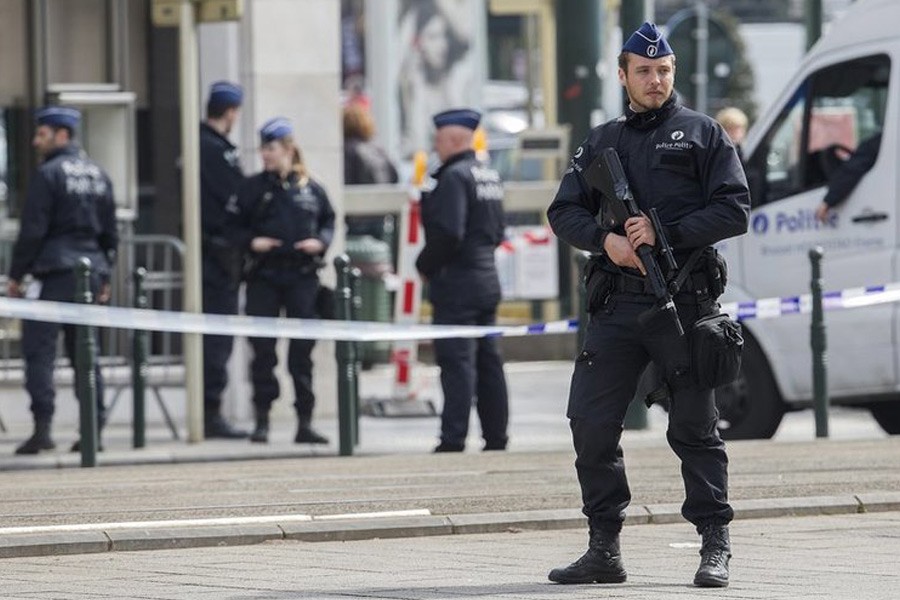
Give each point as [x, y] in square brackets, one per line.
[68, 213]
[463, 221]
[220, 176]
[683, 164]
[286, 224]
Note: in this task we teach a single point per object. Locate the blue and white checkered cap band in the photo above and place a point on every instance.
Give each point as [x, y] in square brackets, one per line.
[58, 116]
[275, 129]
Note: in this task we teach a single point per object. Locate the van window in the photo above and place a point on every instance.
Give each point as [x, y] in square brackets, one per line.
[824, 121]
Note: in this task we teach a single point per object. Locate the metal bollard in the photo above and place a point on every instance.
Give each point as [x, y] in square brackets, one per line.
[85, 359]
[355, 312]
[139, 366]
[345, 355]
[818, 344]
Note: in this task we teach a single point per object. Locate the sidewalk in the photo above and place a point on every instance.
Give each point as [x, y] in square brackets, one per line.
[276, 491]
[832, 557]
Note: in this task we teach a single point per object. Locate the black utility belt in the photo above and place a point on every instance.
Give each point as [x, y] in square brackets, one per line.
[289, 263]
[628, 284]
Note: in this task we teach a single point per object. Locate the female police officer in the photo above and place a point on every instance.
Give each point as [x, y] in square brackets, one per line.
[682, 164]
[285, 221]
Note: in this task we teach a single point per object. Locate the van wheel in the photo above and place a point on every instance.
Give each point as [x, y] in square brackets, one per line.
[887, 415]
[750, 407]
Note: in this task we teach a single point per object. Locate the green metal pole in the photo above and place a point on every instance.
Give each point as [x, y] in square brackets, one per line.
[578, 96]
[631, 16]
[344, 356]
[85, 357]
[355, 313]
[139, 366]
[818, 344]
[813, 22]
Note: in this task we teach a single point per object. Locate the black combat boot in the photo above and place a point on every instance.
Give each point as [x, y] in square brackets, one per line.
[714, 555]
[39, 440]
[215, 426]
[307, 435]
[602, 563]
[260, 434]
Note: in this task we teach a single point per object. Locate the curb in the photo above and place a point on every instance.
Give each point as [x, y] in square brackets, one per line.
[18, 545]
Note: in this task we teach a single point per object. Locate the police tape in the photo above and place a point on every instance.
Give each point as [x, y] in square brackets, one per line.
[238, 325]
[769, 308]
[368, 331]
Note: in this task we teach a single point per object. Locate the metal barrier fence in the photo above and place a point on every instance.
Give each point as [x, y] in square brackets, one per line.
[163, 258]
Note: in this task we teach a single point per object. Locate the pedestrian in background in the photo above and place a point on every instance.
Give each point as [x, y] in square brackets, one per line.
[286, 223]
[464, 223]
[365, 162]
[734, 121]
[681, 163]
[69, 213]
[220, 176]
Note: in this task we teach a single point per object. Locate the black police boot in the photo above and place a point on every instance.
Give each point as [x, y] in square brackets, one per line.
[39, 440]
[714, 555]
[307, 435]
[217, 427]
[260, 434]
[602, 563]
[448, 447]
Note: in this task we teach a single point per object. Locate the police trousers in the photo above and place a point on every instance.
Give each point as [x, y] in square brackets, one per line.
[220, 297]
[471, 369]
[39, 341]
[267, 293]
[616, 350]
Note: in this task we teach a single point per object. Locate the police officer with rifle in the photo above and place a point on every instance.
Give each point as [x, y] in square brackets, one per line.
[689, 192]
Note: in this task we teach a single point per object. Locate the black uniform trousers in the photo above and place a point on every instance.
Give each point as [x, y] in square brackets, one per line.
[471, 368]
[39, 347]
[267, 293]
[220, 297]
[616, 350]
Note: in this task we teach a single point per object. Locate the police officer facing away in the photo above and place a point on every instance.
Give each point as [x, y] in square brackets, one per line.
[463, 221]
[220, 176]
[69, 213]
[684, 165]
[286, 223]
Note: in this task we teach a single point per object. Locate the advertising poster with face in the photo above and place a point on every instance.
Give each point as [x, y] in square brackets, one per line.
[437, 64]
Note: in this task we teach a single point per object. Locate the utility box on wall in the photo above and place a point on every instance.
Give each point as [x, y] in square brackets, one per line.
[108, 135]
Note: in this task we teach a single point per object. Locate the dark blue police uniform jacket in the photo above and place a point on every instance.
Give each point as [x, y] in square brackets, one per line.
[220, 176]
[69, 212]
[464, 223]
[678, 161]
[287, 210]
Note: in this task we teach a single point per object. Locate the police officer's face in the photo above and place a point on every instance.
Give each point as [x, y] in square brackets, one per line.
[648, 81]
[276, 156]
[47, 139]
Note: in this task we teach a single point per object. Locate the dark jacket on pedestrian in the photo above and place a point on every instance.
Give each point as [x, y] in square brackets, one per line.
[367, 163]
[69, 213]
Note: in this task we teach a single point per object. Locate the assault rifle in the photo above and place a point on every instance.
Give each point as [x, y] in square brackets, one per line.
[606, 175]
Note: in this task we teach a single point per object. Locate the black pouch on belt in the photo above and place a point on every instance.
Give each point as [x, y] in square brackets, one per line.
[716, 348]
[598, 284]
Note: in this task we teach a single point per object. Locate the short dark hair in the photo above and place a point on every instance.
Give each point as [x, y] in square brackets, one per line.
[68, 130]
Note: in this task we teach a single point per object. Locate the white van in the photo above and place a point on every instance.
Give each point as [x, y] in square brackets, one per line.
[845, 90]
